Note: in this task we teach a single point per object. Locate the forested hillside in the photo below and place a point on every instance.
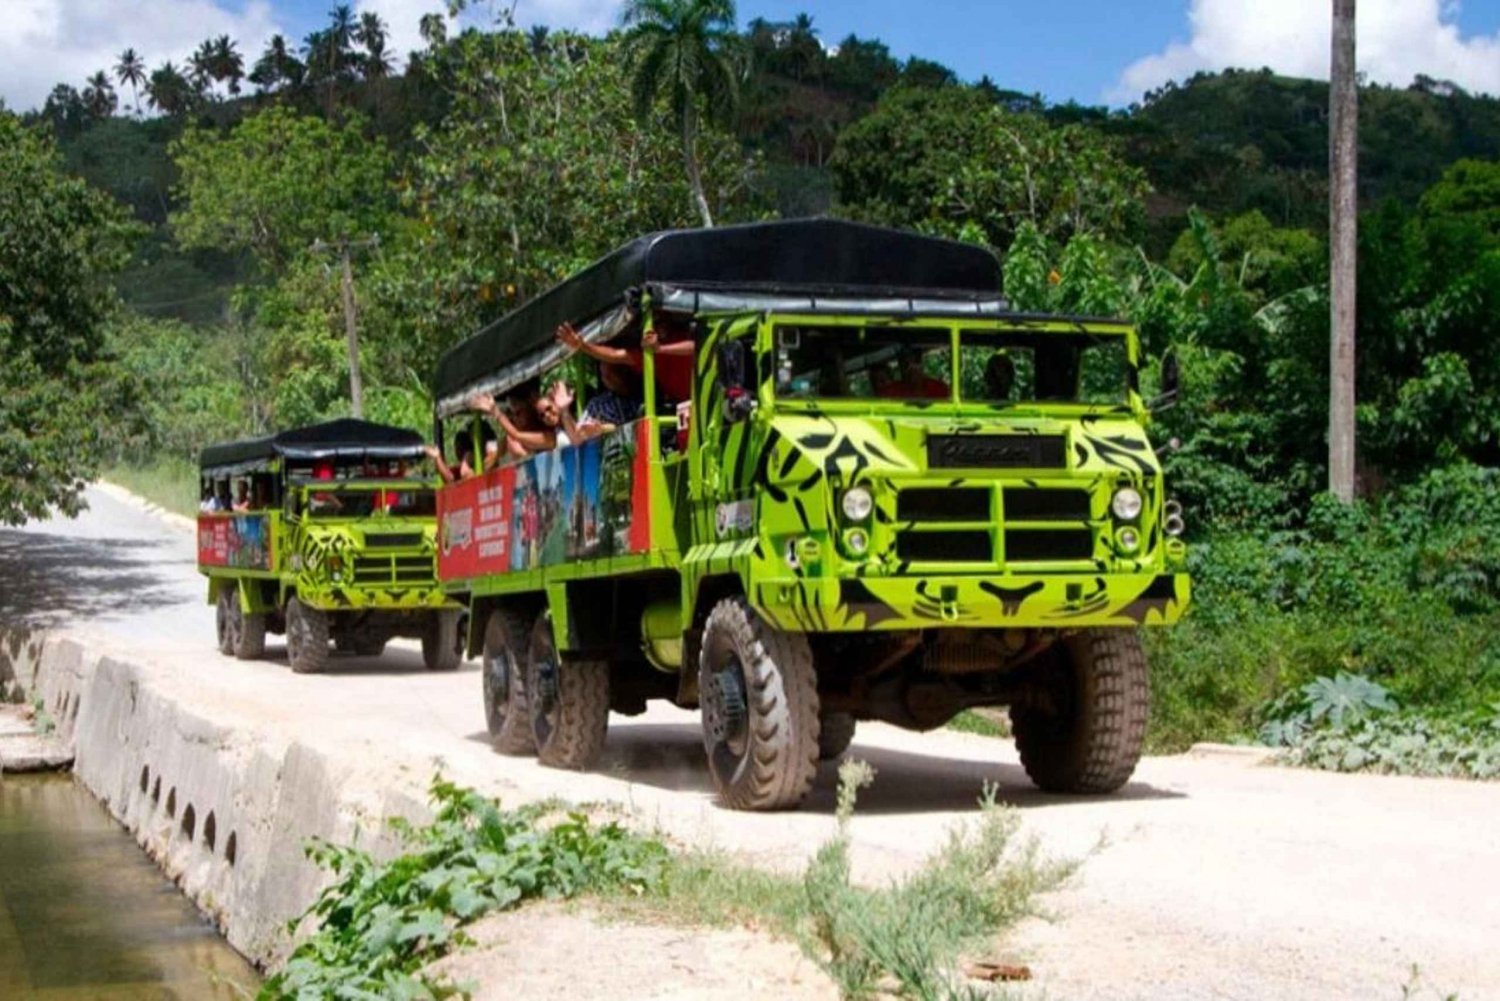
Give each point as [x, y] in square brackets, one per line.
[500, 161]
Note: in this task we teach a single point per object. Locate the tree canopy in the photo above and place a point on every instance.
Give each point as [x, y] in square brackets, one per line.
[61, 244]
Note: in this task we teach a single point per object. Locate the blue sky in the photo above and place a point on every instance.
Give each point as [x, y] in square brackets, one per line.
[1091, 51]
[1064, 49]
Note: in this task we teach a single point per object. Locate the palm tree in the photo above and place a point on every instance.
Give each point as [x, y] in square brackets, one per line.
[276, 66]
[201, 67]
[131, 69]
[537, 38]
[227, 64]
[803, 48]
[169, 91]
[99, 96]
[683, 47]
[371, 33]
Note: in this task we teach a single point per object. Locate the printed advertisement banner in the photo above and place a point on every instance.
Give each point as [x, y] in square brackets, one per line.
[573, 503]
[241, 541]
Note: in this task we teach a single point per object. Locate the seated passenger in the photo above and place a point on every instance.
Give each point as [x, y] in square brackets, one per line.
[672, 344]
[324, 501]
[618, 403]
[445, 473]
[535, 422]
[241, 497]
[999, 376]
[912, 381]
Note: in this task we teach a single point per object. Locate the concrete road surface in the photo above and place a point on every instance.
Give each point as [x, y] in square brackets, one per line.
[1216, 878]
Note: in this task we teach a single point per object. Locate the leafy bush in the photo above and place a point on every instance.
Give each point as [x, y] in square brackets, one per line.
[1351, 724]
[1405, 592]
[378, 923]
[1404, 744]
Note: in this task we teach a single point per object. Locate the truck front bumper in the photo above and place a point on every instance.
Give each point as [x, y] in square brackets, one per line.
[1052, 601]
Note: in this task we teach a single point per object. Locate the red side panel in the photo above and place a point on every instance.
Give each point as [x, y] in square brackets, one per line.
[474, 525]
[240, 541]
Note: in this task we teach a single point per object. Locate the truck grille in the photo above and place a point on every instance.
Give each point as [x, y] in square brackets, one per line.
[971, 546]
[378, 570]
[1038, 504]
[943, 504]
[393, 540]
[1043, 545]
[997, 451]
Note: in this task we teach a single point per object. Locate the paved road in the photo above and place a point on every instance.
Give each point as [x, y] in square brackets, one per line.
[1216, 878]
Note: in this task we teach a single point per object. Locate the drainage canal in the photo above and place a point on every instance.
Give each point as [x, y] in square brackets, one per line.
[85, 914]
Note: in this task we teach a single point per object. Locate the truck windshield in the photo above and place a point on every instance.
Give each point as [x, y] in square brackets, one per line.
[1043, 367]
[337, 501]
[913, 363]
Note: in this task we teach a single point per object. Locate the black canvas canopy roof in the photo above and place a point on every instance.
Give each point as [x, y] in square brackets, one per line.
[345, 439]
[794, 256]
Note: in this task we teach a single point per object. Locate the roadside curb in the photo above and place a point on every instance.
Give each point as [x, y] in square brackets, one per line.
[170, 518]
[1248, 754]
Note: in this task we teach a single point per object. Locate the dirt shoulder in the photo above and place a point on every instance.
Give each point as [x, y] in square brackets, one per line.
[563, 952]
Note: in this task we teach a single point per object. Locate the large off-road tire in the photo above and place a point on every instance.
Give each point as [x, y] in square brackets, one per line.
[443, 642]
[1090, 740]
[306, 638]
[759, 699]
[226, 619]
[568, 702]
[240, 635]
[835, 733]
[506, 634]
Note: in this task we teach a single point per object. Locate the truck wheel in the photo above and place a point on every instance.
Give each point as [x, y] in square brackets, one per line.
[227, 619]
[835, 733]
[443, 642]
[505, 637]
[1090, 740]
[306, 638]
[240, 635]
[568, 701]
[759, 700]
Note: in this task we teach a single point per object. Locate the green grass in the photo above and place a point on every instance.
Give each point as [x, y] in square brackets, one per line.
[379, 925]
[170, 483]
[903, 939]
[985, 722]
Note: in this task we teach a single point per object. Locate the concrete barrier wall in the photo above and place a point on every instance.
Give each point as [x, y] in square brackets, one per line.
[224, 810]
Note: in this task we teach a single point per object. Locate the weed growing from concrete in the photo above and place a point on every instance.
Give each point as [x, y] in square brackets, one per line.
[379, 923]
[41, 718]
[903, 939]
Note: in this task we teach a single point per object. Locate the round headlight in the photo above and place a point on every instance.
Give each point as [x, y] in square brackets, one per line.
[1128, 539]
[856, 541]
[1126, 504]
[858, 504]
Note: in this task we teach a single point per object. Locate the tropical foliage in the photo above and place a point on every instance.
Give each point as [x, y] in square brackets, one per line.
[496, 161]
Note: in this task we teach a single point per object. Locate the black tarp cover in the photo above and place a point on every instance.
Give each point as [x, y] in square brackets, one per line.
[345, 439]
[799, 254]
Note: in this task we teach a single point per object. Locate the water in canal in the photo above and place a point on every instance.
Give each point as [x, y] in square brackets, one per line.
[85, 914]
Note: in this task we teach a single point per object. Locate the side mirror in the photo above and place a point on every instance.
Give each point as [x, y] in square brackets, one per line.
[1171, 381]
[739, 397]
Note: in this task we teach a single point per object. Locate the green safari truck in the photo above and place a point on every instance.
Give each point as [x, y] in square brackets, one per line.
[886, 496]
[327, 534]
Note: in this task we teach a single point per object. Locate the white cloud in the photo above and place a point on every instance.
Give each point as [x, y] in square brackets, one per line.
[593, 16]
[403, 18]
[1397, 39]
[47, 42]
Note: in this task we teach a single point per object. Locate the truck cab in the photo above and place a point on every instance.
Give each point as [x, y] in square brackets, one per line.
[327, 534]
[889, 497]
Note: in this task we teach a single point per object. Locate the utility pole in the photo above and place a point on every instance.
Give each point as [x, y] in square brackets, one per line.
[1343, 241]
[344, 247]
